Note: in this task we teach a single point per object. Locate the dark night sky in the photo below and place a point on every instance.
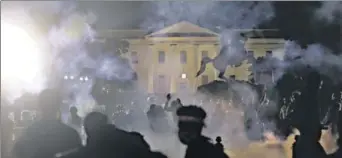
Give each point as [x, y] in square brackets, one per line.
[295, 20]
[110, 14]
[299, 24]
[121, 15]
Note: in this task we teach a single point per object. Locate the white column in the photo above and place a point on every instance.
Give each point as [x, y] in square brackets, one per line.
[173, 77]
[197, 62]
[217, 49]
[151, 76]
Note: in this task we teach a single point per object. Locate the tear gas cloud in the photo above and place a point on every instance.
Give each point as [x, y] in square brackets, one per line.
[225, 16]
[213, 15]
[221, 17]
[67, 40]
[68, 50]
[330, 11]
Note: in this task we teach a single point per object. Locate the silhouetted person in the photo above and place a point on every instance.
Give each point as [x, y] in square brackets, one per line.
[168, 98]
[110, 142]
[92, 122]
[190, 126]
[157, 119]
[75, 120]
[173, 107]
[219, 144]
[48, 136]
[107, 141]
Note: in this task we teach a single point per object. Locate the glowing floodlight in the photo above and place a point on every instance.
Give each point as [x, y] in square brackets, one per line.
[21, 58]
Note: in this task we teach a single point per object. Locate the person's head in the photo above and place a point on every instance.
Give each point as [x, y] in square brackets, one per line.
[93, 121]
[73, 111]
[168, 96]
[49, 103]
[190, 123]
[179, 101]
[218, 139]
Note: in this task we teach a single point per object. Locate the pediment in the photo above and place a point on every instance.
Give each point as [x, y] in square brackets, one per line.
[183, 29]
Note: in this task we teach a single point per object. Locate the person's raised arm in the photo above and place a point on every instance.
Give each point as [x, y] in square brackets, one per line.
[167, 106]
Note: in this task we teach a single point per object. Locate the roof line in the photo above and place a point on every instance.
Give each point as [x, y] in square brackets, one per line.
[171, 26]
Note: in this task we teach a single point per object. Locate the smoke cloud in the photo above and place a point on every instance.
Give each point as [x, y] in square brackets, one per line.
[213, 15]
[68, 35]
[72, 33]
[69, 40]
[221, 17]
[330, 10]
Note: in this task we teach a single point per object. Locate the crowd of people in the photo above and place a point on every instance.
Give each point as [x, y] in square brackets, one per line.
[49, 137]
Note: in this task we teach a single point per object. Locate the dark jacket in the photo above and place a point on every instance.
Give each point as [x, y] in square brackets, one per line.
[46, 138]
[111, 142]
[203, 148]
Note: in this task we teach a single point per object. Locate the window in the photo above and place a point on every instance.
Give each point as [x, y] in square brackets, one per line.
[205, 79]
[161, 57]
[183, 57]
[161, 84]
[204, 54]
[161, 77]
[134, 57]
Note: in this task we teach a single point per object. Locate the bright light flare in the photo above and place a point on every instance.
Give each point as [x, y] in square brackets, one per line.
[183, 76]
[21, 59]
